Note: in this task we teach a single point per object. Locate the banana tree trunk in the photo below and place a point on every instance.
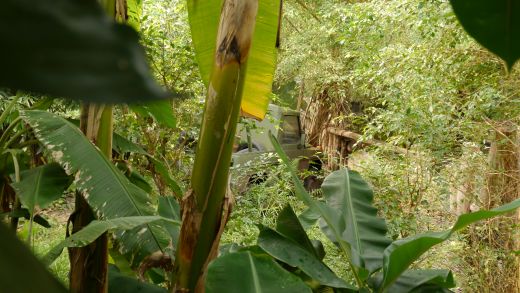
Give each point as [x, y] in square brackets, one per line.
[89, 264]
[206, 206]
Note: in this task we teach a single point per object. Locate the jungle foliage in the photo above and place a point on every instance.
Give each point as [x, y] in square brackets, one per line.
[166, 235]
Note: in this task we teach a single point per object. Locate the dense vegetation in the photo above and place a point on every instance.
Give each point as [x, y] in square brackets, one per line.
[154, 186]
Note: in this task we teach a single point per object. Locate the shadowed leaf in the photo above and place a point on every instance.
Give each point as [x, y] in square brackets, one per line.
[18, 263]
[494, 24]
[245, 272]
[40, 186]
[72, 49]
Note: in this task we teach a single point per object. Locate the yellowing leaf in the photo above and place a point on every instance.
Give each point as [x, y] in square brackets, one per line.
[204, 17]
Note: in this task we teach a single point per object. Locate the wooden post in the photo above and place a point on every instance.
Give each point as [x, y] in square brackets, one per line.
[503, 185]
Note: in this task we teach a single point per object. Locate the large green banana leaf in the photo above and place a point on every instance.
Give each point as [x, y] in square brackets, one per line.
[96, 228]
[419, 281]
[335, 224]
[105, 188]
[40, 186]
[204, 19]
[72, 50]
[292, 253]
[247, 272]
[494, 24]
[402, 253]
[351, 197]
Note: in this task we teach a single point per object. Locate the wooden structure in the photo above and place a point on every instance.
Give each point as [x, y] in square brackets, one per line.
[338, 144]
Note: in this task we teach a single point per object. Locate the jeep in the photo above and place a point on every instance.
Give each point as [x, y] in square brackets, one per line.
[253, 141]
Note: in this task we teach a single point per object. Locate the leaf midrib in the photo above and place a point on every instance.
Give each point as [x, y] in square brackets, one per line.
[36, 190]
[254, 273]
[353, 213]
[67, 125]
[119, 179]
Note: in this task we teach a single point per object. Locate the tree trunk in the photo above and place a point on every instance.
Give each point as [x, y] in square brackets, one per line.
[206, 205]
[88, 265]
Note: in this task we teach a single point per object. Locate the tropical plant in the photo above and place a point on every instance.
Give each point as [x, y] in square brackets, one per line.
[235, 43]
[235, 46]
[349, 220]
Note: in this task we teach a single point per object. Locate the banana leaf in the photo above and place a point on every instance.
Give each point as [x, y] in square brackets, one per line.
[204, 18]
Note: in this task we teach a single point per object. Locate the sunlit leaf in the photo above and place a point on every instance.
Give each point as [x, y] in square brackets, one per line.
[204, 17]
[431, 281]
[351, 197]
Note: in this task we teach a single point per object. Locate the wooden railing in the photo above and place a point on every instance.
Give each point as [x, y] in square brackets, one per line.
[338, 144]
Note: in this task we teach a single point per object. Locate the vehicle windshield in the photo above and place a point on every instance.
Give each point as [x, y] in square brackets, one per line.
[290, 130]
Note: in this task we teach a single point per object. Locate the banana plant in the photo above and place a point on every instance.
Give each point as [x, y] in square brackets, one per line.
[235, 44]
[348, 218]
[107, 190]
[20, 195]
[40, 186]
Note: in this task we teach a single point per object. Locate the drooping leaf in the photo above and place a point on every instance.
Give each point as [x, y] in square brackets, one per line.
[134, 177]
[169, 208]
[327, 213]
[165, 174]
[204, 18]
[123, 145]
[40, 186]
[289, 226]
[24, 213]
[494, 24]
[296, 255]
[245, 272]
[72, 50]
[309, 218]
[160, 111]
[403, 252]
[93, 230]
[120, 283]
[412, 280]
[351, 198]
[105, 188]
[139, 181]
[18, 263]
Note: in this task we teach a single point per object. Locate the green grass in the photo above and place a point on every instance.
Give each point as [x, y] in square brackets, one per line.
[43, 240]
